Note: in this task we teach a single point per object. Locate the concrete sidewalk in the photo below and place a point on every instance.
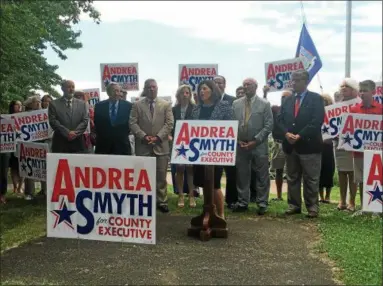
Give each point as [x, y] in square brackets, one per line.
[259, 251]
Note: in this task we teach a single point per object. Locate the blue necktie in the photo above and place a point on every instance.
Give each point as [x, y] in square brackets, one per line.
[113, 114]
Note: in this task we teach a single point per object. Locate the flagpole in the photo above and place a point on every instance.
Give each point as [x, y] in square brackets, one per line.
[348, 38]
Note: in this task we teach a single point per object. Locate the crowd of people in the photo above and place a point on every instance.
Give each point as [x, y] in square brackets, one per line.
[146, 128]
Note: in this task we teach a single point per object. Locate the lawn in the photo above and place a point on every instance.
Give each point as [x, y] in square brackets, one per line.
[353, 243]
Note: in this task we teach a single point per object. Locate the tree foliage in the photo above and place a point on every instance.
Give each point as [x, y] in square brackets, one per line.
[27, 28]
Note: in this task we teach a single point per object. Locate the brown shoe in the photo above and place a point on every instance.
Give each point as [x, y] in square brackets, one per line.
[293, 211]
[312, 214]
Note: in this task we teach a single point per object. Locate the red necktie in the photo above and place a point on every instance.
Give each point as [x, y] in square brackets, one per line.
[297, 105]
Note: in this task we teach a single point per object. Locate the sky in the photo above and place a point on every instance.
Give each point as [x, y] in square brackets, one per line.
[239, 36]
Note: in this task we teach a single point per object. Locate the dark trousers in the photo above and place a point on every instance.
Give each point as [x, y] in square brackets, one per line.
[253, 190]
[231, 185]
[4, 166]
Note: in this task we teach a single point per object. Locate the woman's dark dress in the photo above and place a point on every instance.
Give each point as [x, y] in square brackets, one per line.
[328, 167]
[199, 170]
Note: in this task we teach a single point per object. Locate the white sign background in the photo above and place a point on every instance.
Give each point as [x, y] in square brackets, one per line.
[205, 123]
[374, 206]
[105, 162]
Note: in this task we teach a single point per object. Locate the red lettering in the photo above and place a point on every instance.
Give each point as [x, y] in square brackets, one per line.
[128, 174]
[98, 173]
[183, 136]
[82, 178]
[143, 181]
[187, 72]
[63, 173]
[114, 179]
[348, 125]
[376, 170]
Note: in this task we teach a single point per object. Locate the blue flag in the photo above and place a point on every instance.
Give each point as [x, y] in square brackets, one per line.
[308, 53]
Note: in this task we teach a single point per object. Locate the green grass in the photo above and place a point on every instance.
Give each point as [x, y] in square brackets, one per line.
[353, 243]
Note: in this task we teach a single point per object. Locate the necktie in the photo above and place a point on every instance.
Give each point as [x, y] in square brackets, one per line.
[151, 107]
[68, 104]
[297, 105]
[113, 112]
[247, 110]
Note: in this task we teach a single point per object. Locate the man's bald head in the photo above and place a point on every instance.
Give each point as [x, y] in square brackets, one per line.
[67, 86]
[250, 86]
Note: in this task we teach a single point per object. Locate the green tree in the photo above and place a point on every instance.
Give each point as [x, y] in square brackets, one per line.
[27, 28]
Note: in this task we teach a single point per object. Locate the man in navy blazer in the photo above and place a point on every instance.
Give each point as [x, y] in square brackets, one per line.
[231, 196]
[300, 121]
[111, 120]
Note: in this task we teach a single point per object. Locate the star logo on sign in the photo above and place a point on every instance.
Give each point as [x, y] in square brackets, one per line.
[271, 82]
[376, 195]
[325, 129]
[23, 166]
[18, 135]
[182, 151]
[63, 215]
[347, 139]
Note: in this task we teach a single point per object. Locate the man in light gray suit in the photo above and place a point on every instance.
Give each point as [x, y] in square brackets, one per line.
[255, 124]
[151, 122]
[69, 119]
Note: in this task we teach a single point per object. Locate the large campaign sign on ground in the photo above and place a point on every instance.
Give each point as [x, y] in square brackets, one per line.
[373, 182]
[7, 136]
[278, 74]
[204, 142]
[125, 74]
[378, 92]
[333, 117]
[361, 132]
[101, 197]
[193, 74]
[32, 160]
[94, 95]
[30, 126]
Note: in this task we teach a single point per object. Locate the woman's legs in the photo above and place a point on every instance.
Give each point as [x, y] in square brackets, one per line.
[189, 174]
[219, 202]
[180, 169]
[353, 190]
[343, 184]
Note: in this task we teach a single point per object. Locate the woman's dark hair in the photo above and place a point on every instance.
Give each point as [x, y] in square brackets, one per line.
[46, 96]
[215, 92]
[11, 108]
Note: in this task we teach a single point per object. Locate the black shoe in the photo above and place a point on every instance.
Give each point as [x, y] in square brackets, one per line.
[231, 206]
[163, 209]
[262, 210]
[293, 211]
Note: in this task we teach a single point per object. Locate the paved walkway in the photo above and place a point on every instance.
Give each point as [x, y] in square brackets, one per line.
[261, 251]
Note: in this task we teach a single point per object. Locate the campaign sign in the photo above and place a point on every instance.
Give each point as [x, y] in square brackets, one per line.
[7, 136]
[361, 132]
[373, 182]
[93, 95]
[204, 142]
[101, 197]
[124, 74]
[30, 126]
[333, 117]
[278, 74]
[32, 160]
[378, 92]
[193, 74]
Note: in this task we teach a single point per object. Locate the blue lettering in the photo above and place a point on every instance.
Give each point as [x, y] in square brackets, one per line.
[132, 198]
[194, 150]
[99, 202]
[30, 166]
[230, 145]
[334, 123]
[24, 131]
[82, 209]
[194, 81]
[119, 200]
[129, 78]
[357, 138]
[147, 205]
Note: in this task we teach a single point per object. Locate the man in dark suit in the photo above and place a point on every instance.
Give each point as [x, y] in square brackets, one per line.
[231, 196]
[111, 121]
[300, 120]
[69, 118]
